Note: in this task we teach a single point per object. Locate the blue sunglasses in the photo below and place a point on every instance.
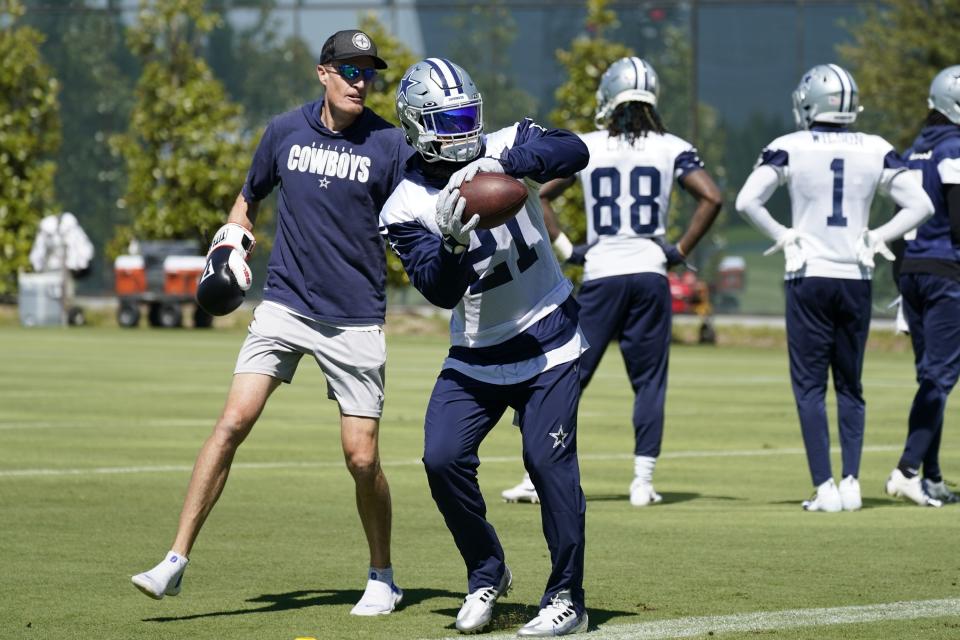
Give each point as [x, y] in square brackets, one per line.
[352, 72]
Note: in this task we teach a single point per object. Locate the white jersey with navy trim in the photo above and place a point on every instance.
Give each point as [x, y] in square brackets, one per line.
[832, 177]
[626, 193]
[516, 279]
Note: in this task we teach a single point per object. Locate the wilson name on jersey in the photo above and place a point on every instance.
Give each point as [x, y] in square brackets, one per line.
[832, 177]
[626, 192]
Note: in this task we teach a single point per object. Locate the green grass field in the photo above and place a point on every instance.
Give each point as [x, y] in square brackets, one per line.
[99, 429]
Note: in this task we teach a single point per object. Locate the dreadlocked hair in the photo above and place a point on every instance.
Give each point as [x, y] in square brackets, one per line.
[635, 120]
[935, 118]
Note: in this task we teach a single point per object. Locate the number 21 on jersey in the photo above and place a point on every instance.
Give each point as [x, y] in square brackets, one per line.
[605, 185]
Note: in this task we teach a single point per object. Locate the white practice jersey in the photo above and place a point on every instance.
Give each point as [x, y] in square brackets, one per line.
[519, 280]
[626, 192]
[832, 177]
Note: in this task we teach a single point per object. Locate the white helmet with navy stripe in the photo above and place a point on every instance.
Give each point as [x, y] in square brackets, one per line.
[826, 93]
[441, 111]
[626, 80]
[945, 93]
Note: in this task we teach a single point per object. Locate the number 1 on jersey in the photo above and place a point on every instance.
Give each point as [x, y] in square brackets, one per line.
[836, 219]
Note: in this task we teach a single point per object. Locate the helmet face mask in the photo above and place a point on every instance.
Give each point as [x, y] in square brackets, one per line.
[626, 80]
[441, 111]
[826, 93]
[945, 93]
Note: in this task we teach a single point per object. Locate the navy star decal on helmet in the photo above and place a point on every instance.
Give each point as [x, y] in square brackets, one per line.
[441, 111]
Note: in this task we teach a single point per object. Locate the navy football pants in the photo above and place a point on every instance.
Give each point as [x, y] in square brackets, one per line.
[828, 320]
[461, 412]
[636, 310]
[931, 305]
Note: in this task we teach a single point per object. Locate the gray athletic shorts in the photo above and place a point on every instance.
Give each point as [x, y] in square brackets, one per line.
[353, 361]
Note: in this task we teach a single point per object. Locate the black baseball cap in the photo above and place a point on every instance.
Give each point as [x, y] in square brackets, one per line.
[350, 43]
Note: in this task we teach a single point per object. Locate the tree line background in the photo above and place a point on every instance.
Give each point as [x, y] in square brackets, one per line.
[144, 127]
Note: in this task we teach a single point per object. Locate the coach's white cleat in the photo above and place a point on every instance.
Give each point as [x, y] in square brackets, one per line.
[900, 486]
[826, 498]
[558, 618]
[477, 609]
[164, 579]
[940, 491]
[850, 498]
[643, 494]
[379, 599]
[523, 492]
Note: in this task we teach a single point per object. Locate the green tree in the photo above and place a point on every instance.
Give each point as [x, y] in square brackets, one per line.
[186, 149]
[894, 80]
[86, 48]
[485, 33]
[262, 70]
[585, 61]
[383, 99]
[29, 137]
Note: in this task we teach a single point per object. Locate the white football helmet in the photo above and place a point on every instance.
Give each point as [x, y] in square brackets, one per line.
[826, 93]
[441, 111]
[945, 93]
[626, 80]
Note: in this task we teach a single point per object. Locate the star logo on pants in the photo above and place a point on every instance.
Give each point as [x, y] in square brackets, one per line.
[558, 438]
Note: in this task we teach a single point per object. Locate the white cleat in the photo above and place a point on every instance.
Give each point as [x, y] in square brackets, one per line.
[165, 579]
[900, 486]
[827, 498]
[523, 492]
[642, 493]
[477, 609]
[940, 491]
[378, 599]
[850, 498]
[558, 618]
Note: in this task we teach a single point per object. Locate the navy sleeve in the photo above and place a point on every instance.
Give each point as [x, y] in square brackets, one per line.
[687, 162]
[774, 158]
[893, 160]
[442, 277]
[543, 154]
[264, 174]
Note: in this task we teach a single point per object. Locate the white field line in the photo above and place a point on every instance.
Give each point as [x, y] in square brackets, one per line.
[92, 471]
[769, 621]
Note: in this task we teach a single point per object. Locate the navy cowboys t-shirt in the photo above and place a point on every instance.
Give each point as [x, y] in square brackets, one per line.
[328, 259]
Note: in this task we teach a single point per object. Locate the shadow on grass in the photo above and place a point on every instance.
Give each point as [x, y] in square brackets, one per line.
[273, 602]
[668, 497]
[868, 503]
[510, 616]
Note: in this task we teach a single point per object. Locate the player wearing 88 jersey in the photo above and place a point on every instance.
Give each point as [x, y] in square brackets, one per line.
[832, 174]
[930, 289]
[625, 294]
[515, 341]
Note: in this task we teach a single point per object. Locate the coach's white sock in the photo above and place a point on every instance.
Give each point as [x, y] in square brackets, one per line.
[643, 468]
[381, 575]
[163, 579]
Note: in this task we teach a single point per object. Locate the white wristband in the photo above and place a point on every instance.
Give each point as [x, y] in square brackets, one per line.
[236, 236]
[563, 247]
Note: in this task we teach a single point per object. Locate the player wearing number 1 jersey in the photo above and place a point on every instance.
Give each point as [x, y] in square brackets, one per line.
[625, 294]
[832, 174]
[514, 336]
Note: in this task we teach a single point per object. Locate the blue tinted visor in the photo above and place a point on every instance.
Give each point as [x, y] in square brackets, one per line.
[459, 120]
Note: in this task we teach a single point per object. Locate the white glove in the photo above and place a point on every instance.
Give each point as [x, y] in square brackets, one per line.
[485, 165]
[901, 323]
[790, 241]
[450, 208]
[869, 244]
[242, 242]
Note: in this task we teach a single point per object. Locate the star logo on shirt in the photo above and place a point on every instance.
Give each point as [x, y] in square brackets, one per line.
[324, 183]
[558, 438]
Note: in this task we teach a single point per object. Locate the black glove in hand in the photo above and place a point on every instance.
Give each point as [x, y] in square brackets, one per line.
[674, 257]
[579, 255]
